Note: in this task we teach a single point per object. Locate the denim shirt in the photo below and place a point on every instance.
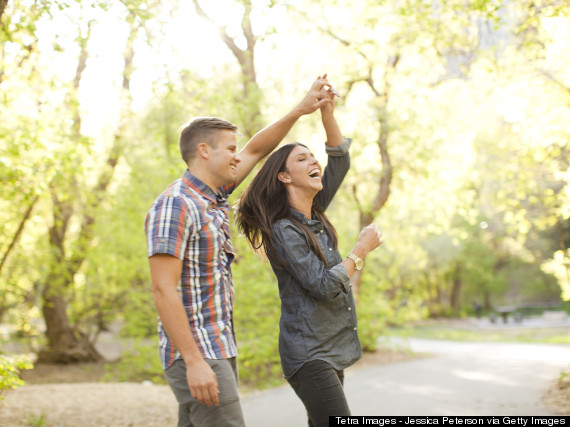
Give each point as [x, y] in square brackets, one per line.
[318, 315]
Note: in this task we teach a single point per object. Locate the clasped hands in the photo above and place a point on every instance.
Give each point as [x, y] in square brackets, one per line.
[321, 95]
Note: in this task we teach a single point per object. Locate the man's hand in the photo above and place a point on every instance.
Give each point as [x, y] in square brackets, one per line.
[203, 383]
[317, 97]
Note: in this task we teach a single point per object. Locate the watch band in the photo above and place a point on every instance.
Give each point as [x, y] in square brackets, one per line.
[358, 262]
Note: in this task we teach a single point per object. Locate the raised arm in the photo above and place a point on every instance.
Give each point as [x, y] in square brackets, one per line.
[334, 135]
[337, 150]
[265, 141]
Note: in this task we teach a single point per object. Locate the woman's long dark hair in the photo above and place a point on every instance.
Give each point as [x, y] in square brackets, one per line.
[265, 201]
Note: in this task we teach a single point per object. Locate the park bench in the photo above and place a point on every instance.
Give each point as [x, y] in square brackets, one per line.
[524, 310]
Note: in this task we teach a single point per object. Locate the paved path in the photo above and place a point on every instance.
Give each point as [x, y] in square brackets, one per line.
[459, 379]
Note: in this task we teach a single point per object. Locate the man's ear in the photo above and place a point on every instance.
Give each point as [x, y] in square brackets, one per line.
[203, 150]
[284, 177]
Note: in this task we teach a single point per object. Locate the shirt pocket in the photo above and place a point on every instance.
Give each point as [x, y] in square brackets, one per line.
[331, 255]
[335, 316]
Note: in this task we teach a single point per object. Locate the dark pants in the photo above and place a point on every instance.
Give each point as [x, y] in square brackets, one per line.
[320, 388]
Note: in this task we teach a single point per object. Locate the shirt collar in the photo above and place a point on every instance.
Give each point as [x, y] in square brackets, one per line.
[196, 184]
[302, 218]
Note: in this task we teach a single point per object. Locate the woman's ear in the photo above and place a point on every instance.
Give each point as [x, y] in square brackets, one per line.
[284, 177]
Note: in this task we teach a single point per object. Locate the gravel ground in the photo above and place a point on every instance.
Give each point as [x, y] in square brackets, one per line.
[558, 395]
[89, 404]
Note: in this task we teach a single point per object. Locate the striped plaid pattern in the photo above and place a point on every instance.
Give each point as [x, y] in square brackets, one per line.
[191, 222]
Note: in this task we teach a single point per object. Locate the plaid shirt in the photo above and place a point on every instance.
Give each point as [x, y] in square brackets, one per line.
[191, 222]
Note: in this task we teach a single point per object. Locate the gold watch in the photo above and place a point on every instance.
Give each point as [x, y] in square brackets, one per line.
[358, 262]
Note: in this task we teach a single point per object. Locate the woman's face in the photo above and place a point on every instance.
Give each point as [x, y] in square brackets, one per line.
[303, 171]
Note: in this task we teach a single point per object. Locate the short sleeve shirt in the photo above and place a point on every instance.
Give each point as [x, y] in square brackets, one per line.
[191, 222]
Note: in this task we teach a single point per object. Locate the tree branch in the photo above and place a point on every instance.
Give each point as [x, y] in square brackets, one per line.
[555, 80]
[19, 231]
[228, 41]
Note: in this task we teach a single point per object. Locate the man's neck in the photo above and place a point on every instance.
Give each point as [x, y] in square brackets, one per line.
[204, 176]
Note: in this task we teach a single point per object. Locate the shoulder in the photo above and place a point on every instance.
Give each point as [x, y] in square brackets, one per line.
[286, 231]
[284, 224]
[177, 198]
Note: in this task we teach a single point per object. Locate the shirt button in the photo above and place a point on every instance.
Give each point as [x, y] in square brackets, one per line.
[322, 231]
[355, 329]
[330, 249]
[349, 308]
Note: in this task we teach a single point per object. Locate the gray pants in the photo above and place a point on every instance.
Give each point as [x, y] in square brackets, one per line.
[192, 413]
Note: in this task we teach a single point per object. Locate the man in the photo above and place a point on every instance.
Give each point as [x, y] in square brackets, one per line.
[190, 253]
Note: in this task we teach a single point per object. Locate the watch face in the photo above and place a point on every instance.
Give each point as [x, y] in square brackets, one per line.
[358, 262]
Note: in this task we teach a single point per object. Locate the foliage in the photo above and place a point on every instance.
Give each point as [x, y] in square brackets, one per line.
[34, 420]
[9, 372]
[140, 363]
[256, 317]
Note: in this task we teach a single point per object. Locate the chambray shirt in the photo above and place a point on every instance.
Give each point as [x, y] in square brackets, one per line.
[318, 315]
[190, 221]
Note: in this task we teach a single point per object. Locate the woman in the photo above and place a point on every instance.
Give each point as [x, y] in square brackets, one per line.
[282, 212]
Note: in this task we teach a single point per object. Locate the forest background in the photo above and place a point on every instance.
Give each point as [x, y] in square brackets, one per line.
[459, 111]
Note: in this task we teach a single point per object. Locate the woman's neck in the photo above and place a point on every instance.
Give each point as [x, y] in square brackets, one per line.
[303, 205]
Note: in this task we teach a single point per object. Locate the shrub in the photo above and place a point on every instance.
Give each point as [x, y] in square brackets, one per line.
[10, 372]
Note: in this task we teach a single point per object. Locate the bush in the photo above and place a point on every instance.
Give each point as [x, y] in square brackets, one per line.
[10, 372]
[142, 363]
[257, 312]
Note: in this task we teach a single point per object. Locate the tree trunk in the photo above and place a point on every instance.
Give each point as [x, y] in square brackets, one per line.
[384, 181]
[385, 176]
[66, 343]
[455, 290]
[3, 4]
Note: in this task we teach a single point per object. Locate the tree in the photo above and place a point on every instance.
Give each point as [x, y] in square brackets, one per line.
[65, 343]
[374, 63]
[77, 185]
[249, 102]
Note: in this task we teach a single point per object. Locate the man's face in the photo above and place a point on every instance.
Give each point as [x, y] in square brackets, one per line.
[224, 158]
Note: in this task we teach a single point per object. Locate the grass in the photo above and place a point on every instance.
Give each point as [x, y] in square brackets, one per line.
[34, 420]
[457, 332]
